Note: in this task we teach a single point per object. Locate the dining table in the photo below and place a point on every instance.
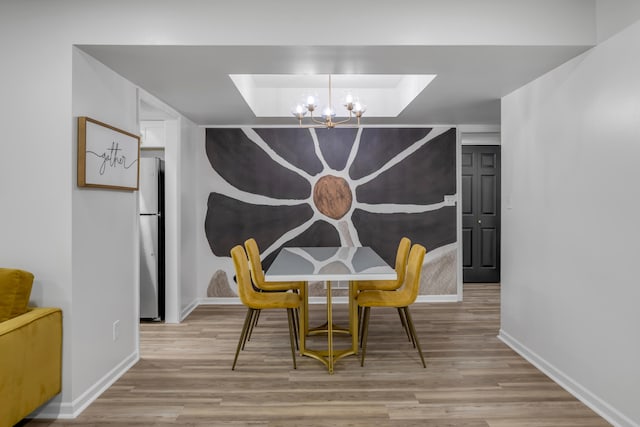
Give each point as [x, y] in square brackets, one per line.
[329, 265]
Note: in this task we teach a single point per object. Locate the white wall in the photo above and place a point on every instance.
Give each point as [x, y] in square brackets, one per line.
[181, 226]
[480, 138]
[104, 244]
[614, 15]
[37, 167]
[172, 217]
[189, 228]
[571, 231]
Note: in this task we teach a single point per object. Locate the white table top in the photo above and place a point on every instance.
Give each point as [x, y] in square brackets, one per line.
[328, 263]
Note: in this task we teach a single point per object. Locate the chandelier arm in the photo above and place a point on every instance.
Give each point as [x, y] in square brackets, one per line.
[317, 121]
[348, 119]
[314, 120]
[305, 126]
[342, 121]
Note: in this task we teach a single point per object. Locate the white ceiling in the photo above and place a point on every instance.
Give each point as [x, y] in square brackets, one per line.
[194, 80]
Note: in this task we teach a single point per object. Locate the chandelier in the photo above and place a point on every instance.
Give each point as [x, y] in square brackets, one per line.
[353, 106]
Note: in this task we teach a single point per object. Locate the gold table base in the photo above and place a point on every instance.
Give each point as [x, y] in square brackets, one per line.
[330, 355]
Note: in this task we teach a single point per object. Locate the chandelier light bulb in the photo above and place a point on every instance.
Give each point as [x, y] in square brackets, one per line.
[328, 113]
[312, 102]
[348, 101]
[359, 109]
[299, 111]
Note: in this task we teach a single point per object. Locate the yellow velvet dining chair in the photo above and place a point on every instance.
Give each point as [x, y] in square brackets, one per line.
[401, 298]
[257, 275]
[401, 263]
[389, 285]
[255, 300]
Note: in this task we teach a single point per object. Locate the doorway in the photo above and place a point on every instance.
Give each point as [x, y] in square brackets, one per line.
[159, 127]
[480, 213]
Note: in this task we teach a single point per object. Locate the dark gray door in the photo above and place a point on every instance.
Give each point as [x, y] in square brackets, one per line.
[481, 213]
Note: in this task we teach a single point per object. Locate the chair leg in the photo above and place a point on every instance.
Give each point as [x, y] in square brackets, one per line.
[360, 322]
[256, 316]
[404, 325]
[243, 335]
[296, 325]
[413, 333]
[247, 333]
[290, 317]
[252, 323]
[365, 332]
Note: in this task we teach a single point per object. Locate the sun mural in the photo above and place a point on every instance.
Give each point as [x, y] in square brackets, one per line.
[332, 187]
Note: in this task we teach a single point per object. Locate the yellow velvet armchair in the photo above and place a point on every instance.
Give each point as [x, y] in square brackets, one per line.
[30, 349]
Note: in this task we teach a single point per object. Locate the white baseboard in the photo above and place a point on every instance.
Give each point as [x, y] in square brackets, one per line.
[188, 309]
[220, 301]
[323, 300]
[55, 409]
[598, 405]
[437, 298]
[420, 299]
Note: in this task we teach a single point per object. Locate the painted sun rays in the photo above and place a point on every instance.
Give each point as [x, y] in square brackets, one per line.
[343, 224]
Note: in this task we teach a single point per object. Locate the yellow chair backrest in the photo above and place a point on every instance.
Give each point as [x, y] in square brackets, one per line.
[254, 259]
[401, 258]
[411, 287]
[241, 264]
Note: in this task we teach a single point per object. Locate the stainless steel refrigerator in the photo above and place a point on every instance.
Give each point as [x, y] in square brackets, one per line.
[151, 195]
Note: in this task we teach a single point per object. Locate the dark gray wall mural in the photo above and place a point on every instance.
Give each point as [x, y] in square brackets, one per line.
[334, 187]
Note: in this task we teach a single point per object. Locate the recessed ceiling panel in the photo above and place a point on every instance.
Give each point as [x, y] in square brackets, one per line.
[384, 95]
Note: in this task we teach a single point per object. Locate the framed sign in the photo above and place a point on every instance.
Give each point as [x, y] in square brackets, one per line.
[107, 157]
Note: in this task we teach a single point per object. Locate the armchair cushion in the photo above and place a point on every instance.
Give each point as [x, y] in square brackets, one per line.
[15, 290]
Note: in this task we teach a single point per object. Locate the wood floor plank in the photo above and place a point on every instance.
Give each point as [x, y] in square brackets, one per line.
[472, 379]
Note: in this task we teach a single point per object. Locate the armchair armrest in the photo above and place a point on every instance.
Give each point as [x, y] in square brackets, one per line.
[30, 362]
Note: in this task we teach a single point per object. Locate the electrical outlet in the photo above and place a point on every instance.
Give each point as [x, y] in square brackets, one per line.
[116, 330]
[450, 200]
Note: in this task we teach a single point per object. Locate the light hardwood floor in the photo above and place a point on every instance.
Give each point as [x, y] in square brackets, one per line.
[472, 379]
